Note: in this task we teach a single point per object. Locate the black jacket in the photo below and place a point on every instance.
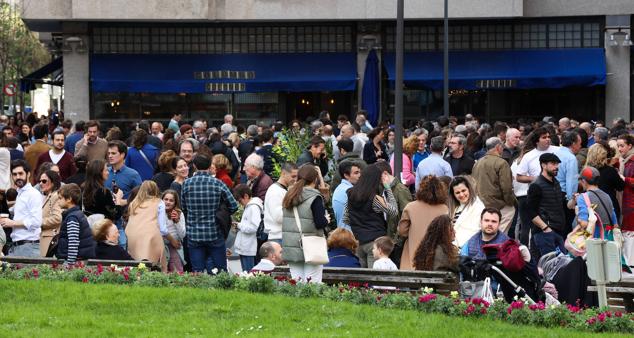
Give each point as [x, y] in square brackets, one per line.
[545, 200]
[460, 166]
[111, 252]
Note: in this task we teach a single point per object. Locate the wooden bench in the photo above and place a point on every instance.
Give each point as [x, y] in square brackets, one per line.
[620, 295]
[442, 282]
[89, 262]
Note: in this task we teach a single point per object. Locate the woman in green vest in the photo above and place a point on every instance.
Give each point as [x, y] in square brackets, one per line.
[313, 218]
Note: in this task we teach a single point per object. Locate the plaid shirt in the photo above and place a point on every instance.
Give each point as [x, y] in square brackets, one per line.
[200, 198]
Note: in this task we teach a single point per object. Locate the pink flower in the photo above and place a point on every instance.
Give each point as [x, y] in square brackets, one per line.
[618, 314]
[126, 276]
[591, 321]
[601, 317]
[84, 280]
[427, 298]
[99, 268]
[36, 273]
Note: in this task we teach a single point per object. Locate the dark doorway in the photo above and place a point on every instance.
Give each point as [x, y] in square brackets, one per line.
[305, 105]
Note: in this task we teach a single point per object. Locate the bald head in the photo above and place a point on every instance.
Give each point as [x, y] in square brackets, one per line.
[272, 251]
[347, 131]
[157, 128]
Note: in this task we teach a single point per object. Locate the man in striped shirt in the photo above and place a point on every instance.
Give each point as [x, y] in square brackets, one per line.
[201, 197]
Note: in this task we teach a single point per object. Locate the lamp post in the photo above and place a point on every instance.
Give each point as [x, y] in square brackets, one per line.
[446, 61]
[398, 92]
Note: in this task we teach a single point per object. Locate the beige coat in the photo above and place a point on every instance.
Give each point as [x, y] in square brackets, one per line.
[413, 225]
[144, 238]
[51, 221]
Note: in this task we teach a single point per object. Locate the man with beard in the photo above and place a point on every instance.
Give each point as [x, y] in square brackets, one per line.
[27, 214]
[545, 207]
[92, 146]
[461, 163]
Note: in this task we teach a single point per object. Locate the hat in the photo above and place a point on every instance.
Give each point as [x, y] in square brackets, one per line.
[590, 175]
[184, 128]
[549, 158]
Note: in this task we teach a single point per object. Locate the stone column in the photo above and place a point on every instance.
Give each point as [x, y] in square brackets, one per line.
[617, 88]
[76, 74]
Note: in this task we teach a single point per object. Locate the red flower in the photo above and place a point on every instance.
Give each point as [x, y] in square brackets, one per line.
[55, 265]
[99, 268]
[36, 273]
[618, 314]
[601, 317]
[84, 280]
[292, 282]
[591, 321]
[483, 310]
[378, 298]
[366, 285]
[427, 298]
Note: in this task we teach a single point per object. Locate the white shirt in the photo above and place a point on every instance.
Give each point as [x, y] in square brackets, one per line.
[264, 265]
[273, 214]
[56, 157]
[28, 209]
[5, 169]
[162, 219]
[520, 189]
[529, 165]
[384, 264]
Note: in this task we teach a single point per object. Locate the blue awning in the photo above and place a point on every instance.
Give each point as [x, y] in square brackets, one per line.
[521, 69]
[292, 72]
[28, 82]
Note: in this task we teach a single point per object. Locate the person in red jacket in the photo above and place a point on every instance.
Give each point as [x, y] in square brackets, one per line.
[625, 145]
[221, 166]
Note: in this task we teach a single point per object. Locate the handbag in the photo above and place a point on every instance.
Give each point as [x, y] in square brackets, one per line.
[52, 247]
[315, 248]
[613, 232]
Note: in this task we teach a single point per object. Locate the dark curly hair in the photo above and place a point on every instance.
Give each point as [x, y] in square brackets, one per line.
[431, 190]
[440, 233]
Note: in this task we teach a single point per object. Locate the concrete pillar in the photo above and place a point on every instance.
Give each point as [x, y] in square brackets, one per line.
[76, 74]
[617, 88]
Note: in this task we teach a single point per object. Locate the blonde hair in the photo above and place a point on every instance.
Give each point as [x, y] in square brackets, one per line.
[221, 161]
[100, 229]
[410, 145]
[233, 138]
[597, 156]
[147, 191]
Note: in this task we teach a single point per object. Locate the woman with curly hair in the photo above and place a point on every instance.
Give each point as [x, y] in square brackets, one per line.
[599, 156]
[341, 248]
[436, 251]
[431, 202]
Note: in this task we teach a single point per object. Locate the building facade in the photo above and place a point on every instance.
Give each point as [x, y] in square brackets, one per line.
[266, 60]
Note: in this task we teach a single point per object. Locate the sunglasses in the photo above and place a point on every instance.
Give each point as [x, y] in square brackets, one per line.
[43, 181]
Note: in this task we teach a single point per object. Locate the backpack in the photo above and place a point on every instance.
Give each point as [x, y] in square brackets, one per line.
[261, 234]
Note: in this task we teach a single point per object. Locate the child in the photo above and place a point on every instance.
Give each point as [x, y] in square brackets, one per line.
[381, 250]
[246, 243]
[75, 237]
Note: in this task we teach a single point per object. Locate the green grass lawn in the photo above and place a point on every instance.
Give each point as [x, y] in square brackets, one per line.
[57, 309]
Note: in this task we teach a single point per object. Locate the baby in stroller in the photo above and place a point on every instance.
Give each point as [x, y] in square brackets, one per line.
[516, 276]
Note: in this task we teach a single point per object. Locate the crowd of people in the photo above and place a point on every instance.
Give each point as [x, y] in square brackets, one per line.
[167, 193]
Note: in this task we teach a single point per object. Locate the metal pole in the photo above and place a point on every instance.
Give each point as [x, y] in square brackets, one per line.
[446, 62]
[398, 92]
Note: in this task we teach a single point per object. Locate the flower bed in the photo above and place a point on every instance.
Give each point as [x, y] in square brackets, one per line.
[518, 312]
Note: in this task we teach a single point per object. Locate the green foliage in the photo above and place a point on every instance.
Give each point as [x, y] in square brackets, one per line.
[518, 312]
[290, 146]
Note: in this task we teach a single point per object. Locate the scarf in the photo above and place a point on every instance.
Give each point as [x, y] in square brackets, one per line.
[624, 160]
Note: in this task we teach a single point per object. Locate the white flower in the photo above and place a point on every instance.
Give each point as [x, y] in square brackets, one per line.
[427, 290]
[454, 294]
[214, 271]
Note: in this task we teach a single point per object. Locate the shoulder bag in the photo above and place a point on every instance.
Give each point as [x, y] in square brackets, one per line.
[315, 248]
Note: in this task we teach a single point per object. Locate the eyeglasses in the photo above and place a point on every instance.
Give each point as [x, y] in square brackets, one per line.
[43, 181]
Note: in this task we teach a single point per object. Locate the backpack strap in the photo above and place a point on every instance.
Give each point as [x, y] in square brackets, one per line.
[603, 205]
[586, 199]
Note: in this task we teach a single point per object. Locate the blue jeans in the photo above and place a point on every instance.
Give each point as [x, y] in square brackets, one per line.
[247, 262]
[207, 255]
[548, 242]
[25, 250]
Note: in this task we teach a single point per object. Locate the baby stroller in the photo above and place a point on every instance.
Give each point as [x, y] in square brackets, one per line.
[513, 282]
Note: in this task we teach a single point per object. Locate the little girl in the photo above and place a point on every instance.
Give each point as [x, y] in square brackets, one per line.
[176, 228]
[246, 243]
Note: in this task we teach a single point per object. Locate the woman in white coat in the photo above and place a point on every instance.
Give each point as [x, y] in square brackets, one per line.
[465, 208]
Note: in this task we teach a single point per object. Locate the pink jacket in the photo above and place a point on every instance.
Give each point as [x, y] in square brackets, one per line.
[408, 175]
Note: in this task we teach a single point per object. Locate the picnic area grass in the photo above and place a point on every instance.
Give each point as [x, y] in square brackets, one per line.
[37, 308]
